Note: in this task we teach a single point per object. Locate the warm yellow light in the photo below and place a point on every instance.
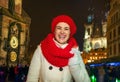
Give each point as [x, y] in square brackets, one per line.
[89, 61]
[13, 56]
[14, 42]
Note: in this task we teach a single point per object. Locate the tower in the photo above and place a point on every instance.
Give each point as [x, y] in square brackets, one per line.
[87, 46]
[14, 32]
[95, 40]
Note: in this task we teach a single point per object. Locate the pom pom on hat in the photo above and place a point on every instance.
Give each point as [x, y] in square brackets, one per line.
[66, 19]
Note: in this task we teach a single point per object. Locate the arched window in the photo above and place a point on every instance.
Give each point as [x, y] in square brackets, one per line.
[97, 45]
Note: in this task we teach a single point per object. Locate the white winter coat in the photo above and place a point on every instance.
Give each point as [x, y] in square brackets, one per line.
[39, 70]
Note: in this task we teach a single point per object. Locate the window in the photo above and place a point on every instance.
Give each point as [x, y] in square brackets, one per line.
[119, 48]
[88, 30]
[117, 16]
[11, 5]
[114, 49]
[110, 51]
[119, 30]
[110, 35]
[114, 33]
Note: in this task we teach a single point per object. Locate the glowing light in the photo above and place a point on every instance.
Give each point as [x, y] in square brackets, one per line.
[117, 80]
[93, 78]
[89, 60]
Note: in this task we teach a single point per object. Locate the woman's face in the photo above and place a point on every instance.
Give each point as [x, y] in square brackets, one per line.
[62, 32]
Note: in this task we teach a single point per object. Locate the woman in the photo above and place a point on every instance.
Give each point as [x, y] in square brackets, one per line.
[57, 58]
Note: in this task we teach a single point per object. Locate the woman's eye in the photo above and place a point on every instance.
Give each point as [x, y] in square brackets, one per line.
[58, 27]
[66, 28]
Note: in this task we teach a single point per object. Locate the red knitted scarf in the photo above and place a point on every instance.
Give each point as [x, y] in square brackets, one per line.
[57, 56]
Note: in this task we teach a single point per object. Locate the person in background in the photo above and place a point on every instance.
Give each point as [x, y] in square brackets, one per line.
[57, 58]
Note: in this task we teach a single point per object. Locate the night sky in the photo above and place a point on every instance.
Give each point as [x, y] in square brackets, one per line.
[43, 11]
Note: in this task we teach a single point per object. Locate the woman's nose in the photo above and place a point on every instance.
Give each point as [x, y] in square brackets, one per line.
[62, 31]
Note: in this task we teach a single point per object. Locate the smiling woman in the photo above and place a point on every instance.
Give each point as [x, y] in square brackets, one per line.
[57, 58]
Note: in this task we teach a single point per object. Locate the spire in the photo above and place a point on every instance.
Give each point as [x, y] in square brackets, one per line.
[90, 16]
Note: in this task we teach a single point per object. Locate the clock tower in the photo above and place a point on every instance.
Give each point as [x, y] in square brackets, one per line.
[14, 33]
[14, 42]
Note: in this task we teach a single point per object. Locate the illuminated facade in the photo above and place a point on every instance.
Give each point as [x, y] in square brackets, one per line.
[14, 32]
[113, 29]
[95, 40]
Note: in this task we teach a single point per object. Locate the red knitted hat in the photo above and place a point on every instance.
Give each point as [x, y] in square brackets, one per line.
[66, 19]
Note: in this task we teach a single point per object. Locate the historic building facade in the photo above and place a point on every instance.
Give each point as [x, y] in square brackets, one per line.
[113, 29]
[113, 33]
[95, 39]
[95, 42]
[14, 32]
